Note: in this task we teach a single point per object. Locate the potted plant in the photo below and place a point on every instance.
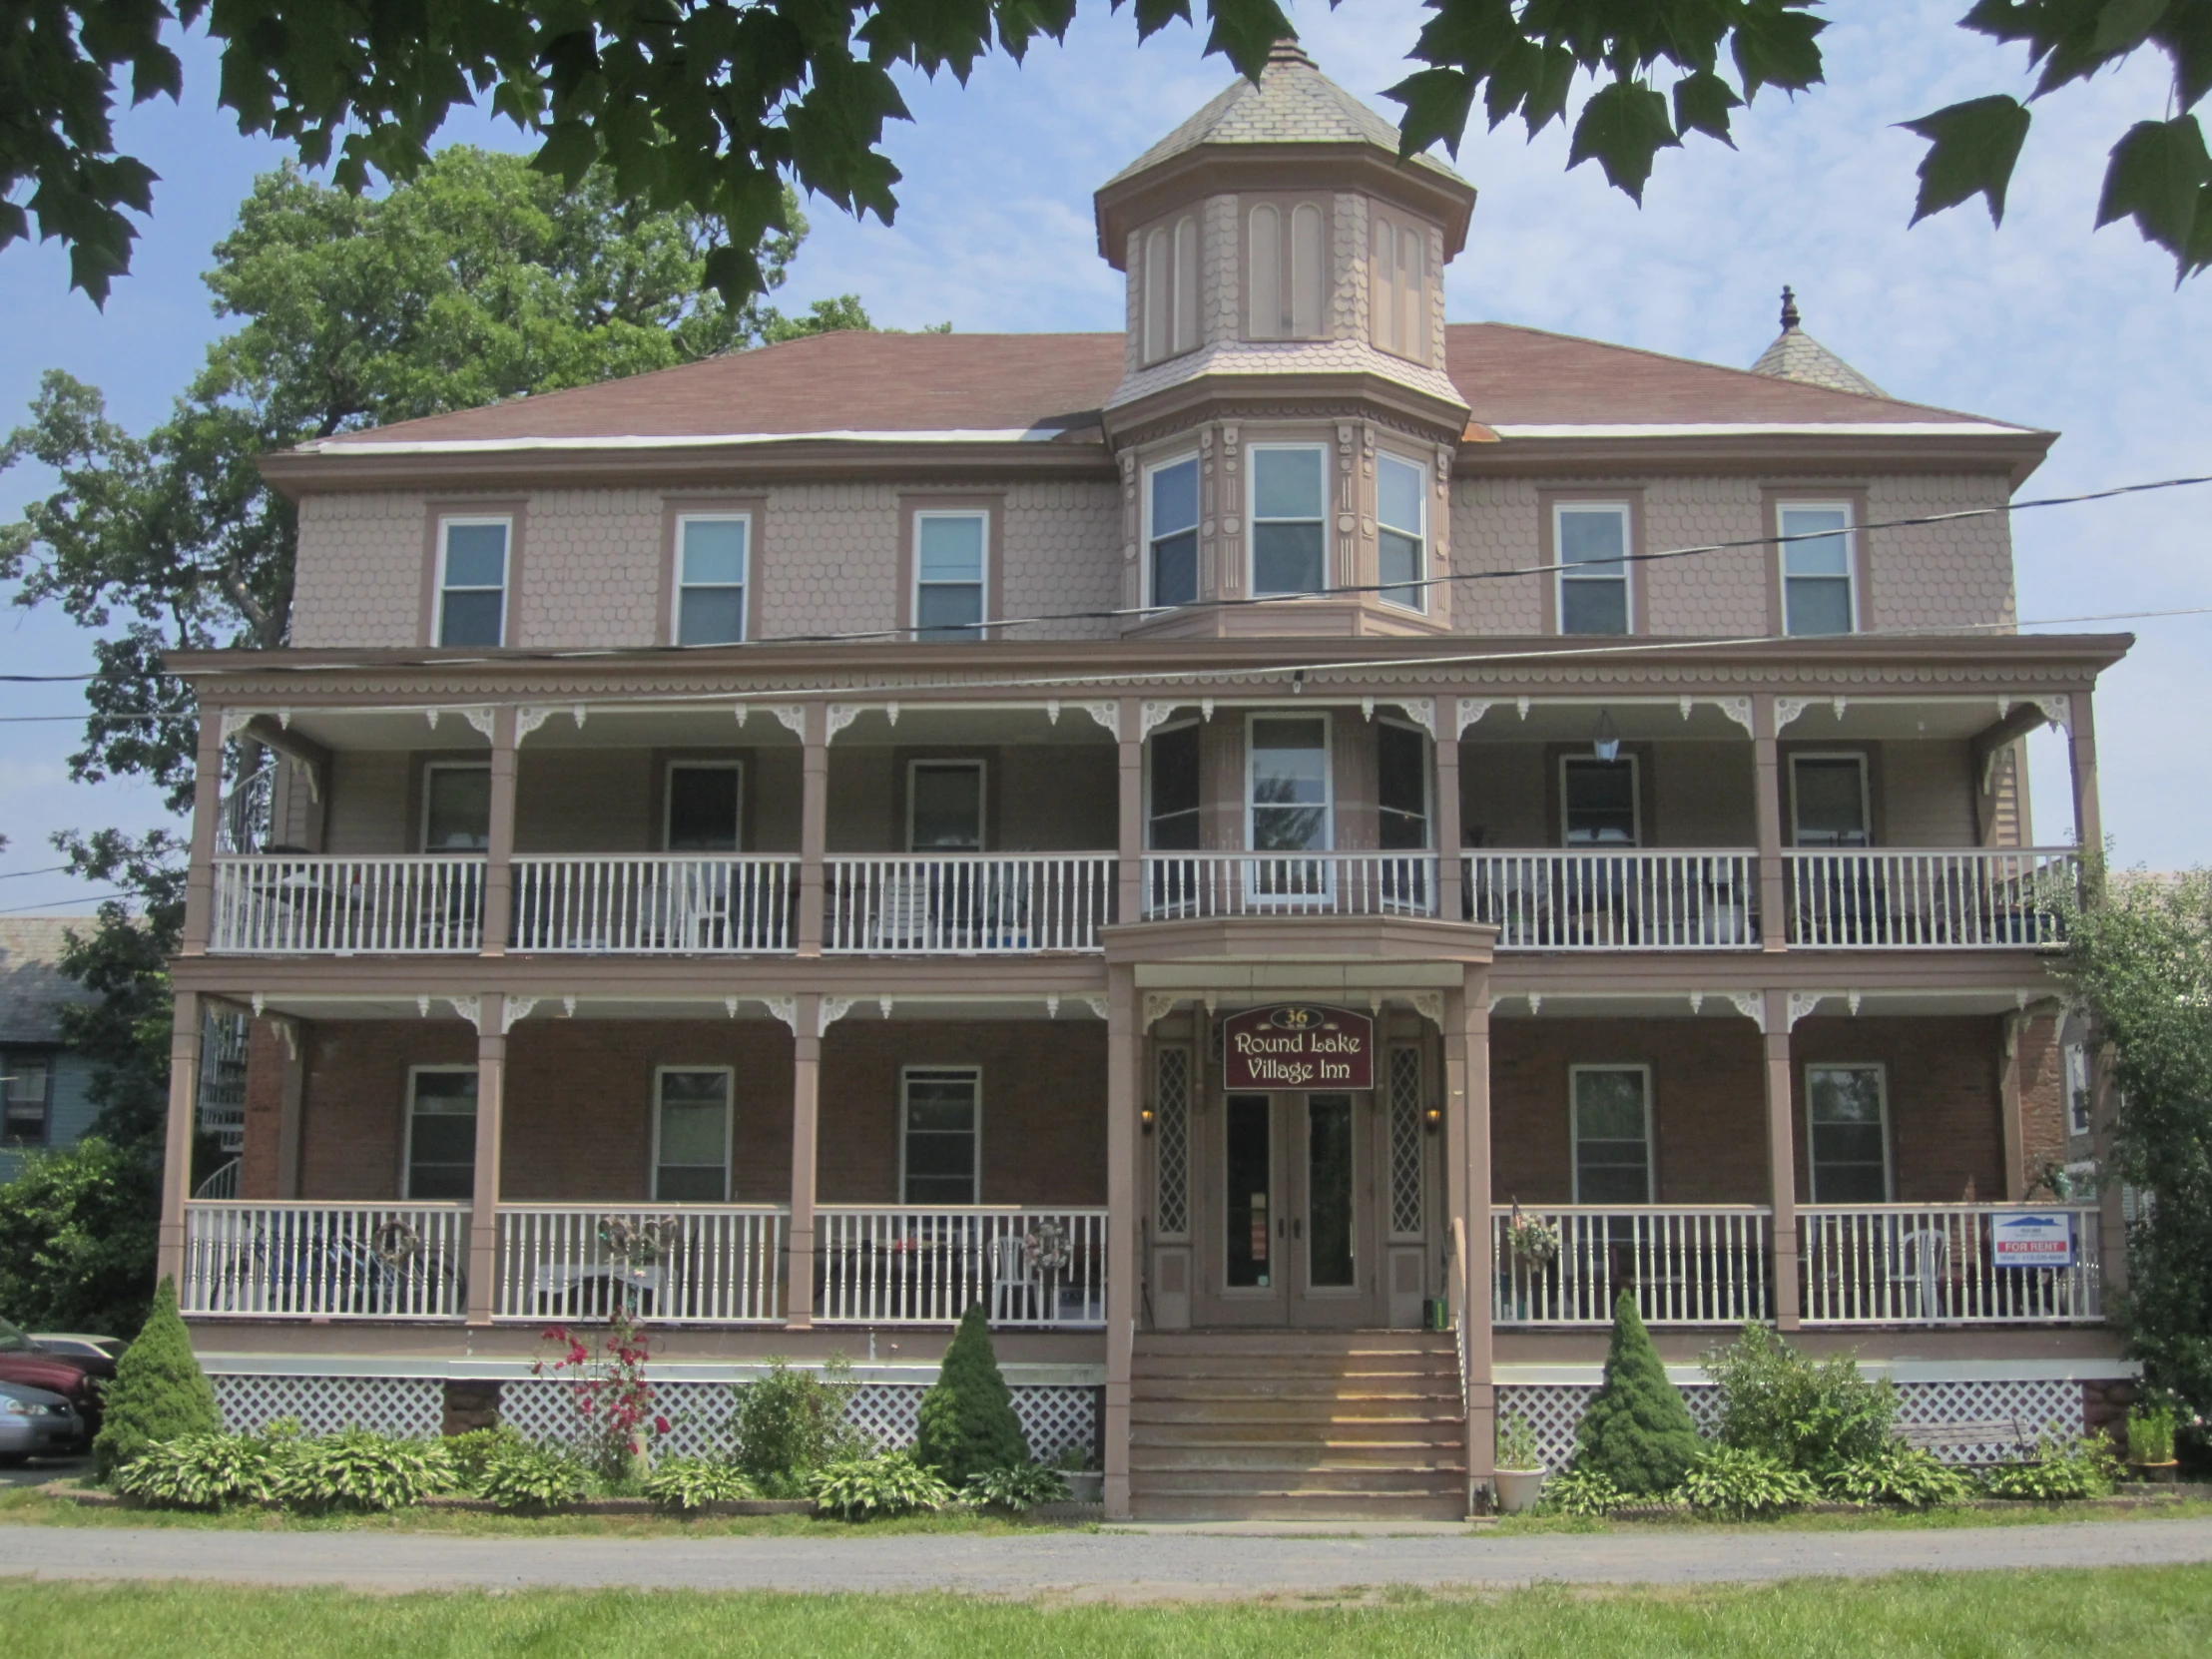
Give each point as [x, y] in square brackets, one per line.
[2150, 1441]
[1086, 1484]
[1520, 1467]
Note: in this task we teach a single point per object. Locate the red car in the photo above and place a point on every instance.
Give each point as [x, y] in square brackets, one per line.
[78, 1380]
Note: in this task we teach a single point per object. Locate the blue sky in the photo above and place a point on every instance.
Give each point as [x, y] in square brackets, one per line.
[2041, 322]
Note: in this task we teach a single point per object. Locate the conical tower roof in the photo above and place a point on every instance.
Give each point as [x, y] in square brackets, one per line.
[1797, 356]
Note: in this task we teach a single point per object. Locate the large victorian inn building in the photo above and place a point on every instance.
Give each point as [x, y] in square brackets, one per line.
[1217, 842]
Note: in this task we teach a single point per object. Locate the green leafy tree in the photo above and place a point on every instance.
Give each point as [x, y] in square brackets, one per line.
[158, 1393]
[77, 1239]
[2141, 958]
[968, 1417]
[1636, 1431]
[717, 106]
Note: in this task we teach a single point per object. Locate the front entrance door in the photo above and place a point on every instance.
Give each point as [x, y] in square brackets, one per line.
[1292, 1234]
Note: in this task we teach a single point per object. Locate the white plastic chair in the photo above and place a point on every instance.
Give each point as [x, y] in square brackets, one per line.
[1923, 1265]
[1014, 1283]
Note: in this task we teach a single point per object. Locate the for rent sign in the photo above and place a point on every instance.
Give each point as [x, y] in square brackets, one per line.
[2031, 1238]
[1298, 1046]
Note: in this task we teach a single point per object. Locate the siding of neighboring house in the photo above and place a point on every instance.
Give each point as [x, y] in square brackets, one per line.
[33, 992]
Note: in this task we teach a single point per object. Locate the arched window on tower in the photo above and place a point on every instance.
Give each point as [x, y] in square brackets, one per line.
[1290, 271]
[1398, 290]
[1266, 272]
[1170, 290]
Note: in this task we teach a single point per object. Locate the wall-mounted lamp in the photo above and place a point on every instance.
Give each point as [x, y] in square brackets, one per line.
[1433, 1119]
[1605, 741]
[1144, 1119]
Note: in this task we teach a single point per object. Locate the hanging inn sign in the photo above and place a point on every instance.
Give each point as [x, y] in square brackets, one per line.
[1298, 1046]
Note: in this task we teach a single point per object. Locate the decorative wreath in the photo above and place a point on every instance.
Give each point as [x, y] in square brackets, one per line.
[395, 1244]
[1045, 1246]
[643, 1245]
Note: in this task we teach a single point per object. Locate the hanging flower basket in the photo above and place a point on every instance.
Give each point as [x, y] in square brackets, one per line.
[1044, 1248]
[1532, 1239]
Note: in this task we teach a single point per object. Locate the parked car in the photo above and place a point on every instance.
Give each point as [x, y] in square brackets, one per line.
[77, 1378]
[75, 1345]
[36, 1423]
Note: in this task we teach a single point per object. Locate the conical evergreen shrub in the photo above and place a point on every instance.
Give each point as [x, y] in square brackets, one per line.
[968, 1417]
[1637, 1431]
[158, 1392]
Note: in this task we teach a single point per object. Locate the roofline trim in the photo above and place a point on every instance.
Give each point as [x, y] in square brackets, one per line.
[1771, 429]
[693, 440]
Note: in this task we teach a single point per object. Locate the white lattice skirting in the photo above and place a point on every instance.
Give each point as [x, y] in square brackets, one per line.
[1552, 1410]
[1053, 1417]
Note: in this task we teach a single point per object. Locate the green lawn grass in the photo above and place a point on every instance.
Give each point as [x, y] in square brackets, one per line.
[2136, 1611]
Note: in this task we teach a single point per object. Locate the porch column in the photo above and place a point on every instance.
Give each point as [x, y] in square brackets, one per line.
[2082, 753]
[1123, 1034]
[499, 849]
[206, 809]
[2104, 1106]
[1129, 822]
[1474, 1021]
[184, 1091]
[292, 1106]
[1451, 870]
[1774, 910]
[1781, 1158]
[491, 1093]
[799, 1280]
[2010, 1130]
[814, 826]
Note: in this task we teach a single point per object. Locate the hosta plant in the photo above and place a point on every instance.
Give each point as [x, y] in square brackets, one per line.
[473, 1452]
[530, 1478]
[687, 1483]
[361, 1470]
[199, 1471]
[1739, 1485]
[1016, 1486]
[1899, 1473]
[2062, 1469]
[1581, 1491]
[889, 1483]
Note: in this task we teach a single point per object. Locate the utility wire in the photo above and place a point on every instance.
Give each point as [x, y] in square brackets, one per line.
[55, 903]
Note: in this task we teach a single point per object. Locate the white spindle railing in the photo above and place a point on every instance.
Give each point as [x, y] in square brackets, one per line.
[968, 904]
[282, 904]
[1627, 901]
[884, 1265]
[1198, 884]
[634, 904]
[1907, 1263]
[1948, 898]
[673, 1264]
[1690, 1266]
[307, 1260]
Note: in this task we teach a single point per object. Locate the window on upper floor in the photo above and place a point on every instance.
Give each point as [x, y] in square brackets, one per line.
[1289, 797]
[704, 800]
[27, 1096]
[442, 1133]
[1287, 249]
[472, 581]
[1591, 539]
[1171, 790]
[950, 550]
[2079, 1101]
[1171, 532]
[691, 1135]
[1289, 507]
[1845, 1109]
[1598, 802]
[1402, 527]
[456, 806]
[1402, 785]
[1170, 298]
[1817, 584]
[1827, 801]
[1397, 289]
[711, 559]
[944, 807]
[1612, 1134]
[940, 1134]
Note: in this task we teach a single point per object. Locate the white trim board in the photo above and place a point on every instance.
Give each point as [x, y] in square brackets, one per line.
[2077, 1369]
[1027, 1374]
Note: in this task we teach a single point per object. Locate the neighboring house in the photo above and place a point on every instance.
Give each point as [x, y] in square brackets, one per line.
[44, 1102]
[1209, 841]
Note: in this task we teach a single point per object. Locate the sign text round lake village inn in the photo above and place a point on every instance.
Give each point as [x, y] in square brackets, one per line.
[1298, 1046]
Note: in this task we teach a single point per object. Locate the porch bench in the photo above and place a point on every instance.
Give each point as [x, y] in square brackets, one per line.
[1959, 1436]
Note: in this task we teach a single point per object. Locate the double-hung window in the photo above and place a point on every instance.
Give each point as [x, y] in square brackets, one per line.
[1850, 1140]
[1827, 801]
[1817, 595]
[442, 1133]
[2079, 1100]
[691, 1135]
[1289, 771]
[712, 556]
[1172, 808]
[26, 1097]
[1591, 543]
[1612, 1134]
[1402, 785]
[1402, 521]
[1290, 506]
[1598, 802]
[703, 802]
[472, 580]
[940, 1134]
[456, 807]
[1171, 538]
[950, 550]
[944, 807]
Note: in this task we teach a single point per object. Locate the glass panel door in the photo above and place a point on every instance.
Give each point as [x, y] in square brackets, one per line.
[1329, 1251]
[1248, 1216]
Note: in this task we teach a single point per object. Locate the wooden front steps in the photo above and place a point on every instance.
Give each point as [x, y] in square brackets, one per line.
[1296, 1425]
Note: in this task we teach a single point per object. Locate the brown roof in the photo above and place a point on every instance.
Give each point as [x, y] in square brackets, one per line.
[1509, 376]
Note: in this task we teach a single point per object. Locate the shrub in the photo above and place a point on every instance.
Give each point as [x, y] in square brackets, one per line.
[1018, 1486]
[1516, 1445]
[687, 1483]
[359, 1470]
[199, 1471]
[1636, 1431]
[1581, 1491]
[968, 1417]
[1810, 1415]
[2150, 1434]
[615, 1405]
[1740, 1484]
[159, 1392]
[473, 1451]
[792, 1423]
[519, 1475]
[1899, 1473]
[2061, 1470]
[889, 1483]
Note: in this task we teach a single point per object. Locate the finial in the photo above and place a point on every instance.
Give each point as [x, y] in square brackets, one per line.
[1288, 50]
[1789, 317]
